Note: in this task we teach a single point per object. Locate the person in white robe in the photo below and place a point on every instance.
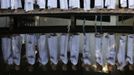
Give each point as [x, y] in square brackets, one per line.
[87, 4]
[15, 4]
[131, 4]
[64, 4]
[5, 4]
[16, 48]
[121, 56]
[98, 53]
[43, 52]
[30, 48]
[74, 50]
[7, 50]
[74, 4]
[42, 4]
[99, 4]
[110, 4]
[52, 4]
[130, 51]
[53, 50]
[123, 3]
[29, 5]
[86, 52]
[64, 38]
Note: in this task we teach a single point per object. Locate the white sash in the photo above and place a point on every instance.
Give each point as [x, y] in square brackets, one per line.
[63, 4]
[130, 48]
[111, 50]
[123, 3]
[110, 4]
[30, 48]
[29, 5]
[41, 3]
[99, 4]
[16, 4]
[87, 4]
[63, 48]
[121, 53]
[74, 3]
[43, 52]
[53, 49]
[74, 48]
[5, 4]
[7, 51]
[99, 56]
[86, 50]
[131, 4]
[16, 48]
[52, 4]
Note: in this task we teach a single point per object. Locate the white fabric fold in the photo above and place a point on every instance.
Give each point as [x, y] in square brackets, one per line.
[53, 49]
[130, 49]
[111, 49]
[86, 50]
[74, 49]
[29, 5]
[52, 4]
[30, 48]
[87, 4]
[74, 3]
[99, 4]
[98, 47]
[7, 50]
[121, 53]
[5, 4]
[41, 3]
[131, 4]
[63, 48]
[16, 48]
[64, 4]
[123, 3]
[110, 4]
[42, 47]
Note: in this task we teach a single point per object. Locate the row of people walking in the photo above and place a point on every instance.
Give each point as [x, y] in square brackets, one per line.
[65, 4]
[98, 49]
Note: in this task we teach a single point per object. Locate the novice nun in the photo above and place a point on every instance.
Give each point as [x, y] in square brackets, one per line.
[74, 4]
[5, 4]
[29, 5]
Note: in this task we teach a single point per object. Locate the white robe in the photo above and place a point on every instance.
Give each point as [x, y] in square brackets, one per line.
[131, 4]
[30, 48]
[130, 49]
[121, 53]
[123, 3]
[110, 4]
[42, 47]
[86, 50]
[74, 49]
[98, 47]
[63, 48]
[111, 57]
[15, 4]
[29, 5]
[64, 4]
[74, 3]
[41, 3]
[53, 49]
[52, 4]
[7, 50]
[87, 4]
[5, 4]
[16, 48]
[99, 4]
